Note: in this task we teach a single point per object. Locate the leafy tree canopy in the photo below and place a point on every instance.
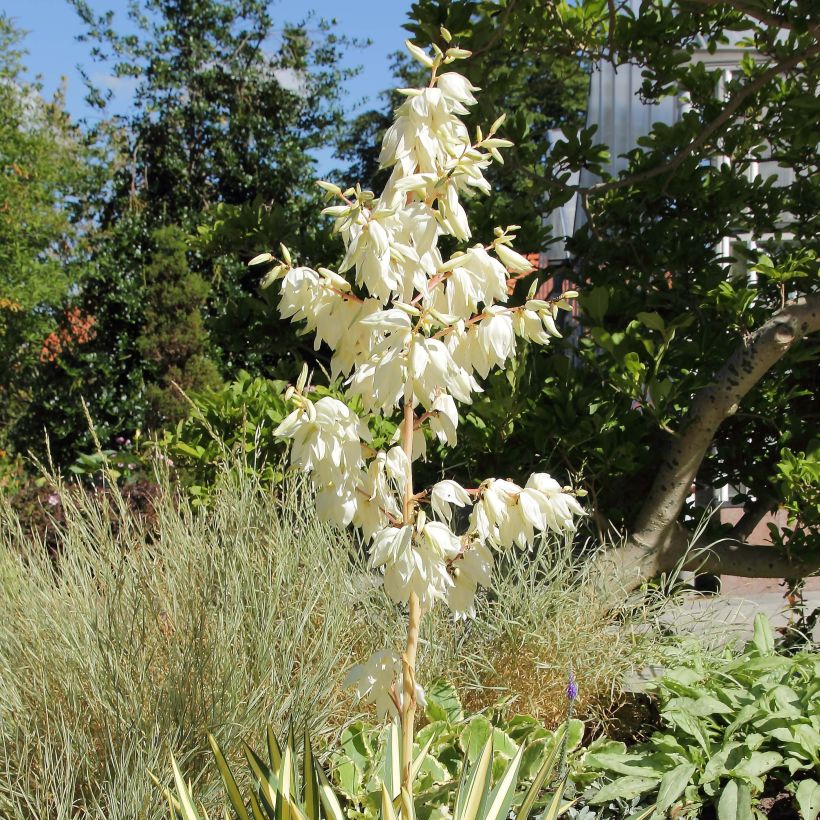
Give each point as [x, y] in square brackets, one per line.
[44, 170]
[686, 363]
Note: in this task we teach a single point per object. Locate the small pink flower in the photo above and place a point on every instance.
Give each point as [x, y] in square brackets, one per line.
[53, 500]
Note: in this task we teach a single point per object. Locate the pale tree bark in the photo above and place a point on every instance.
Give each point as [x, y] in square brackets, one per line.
[658, 541]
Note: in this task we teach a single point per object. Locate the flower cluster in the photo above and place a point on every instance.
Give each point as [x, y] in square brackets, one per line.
[413, 332]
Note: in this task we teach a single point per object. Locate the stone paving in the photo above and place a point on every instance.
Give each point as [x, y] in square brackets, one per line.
[728, 617]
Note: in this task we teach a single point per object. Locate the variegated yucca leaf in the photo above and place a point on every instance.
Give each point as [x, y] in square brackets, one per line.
[283, 791]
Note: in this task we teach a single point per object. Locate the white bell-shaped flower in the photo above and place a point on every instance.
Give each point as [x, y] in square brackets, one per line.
[472, 568]
[373, 680]
[446, 493]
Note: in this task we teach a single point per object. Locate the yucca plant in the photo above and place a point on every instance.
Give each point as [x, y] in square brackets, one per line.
[281, 790]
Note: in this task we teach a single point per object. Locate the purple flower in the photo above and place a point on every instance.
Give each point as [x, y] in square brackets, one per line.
[120, 439]
[572, 687]
[53, 500]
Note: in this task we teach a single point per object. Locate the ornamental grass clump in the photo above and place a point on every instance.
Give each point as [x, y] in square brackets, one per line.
[411, 333]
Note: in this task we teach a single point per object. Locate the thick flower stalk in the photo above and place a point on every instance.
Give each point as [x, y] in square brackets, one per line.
[411, 335]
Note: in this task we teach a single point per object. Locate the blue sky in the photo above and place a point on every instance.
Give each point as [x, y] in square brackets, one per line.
[54, 52]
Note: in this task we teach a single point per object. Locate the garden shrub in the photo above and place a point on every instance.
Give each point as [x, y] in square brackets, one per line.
[727, 731]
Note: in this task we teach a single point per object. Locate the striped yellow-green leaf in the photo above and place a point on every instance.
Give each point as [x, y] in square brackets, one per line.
[256, 809]
[555, 809]
[408, 810]
[274, 752]
[543, 773]
[285, 778]
[420, 758]
[268, 782]
[310, 780]
[388, 812]
[186, 803]
[231, 787]
[475, 785]
[330, 802]
[392, 760]
[295, 786]
[502, 795]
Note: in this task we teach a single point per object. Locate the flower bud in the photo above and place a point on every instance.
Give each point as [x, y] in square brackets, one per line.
[260, 259]
[286, 255]
[303, 377]
[329, 187]
[419, 54]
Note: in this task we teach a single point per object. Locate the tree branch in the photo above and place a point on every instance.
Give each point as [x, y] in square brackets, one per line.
[752, 516]
[729, 111]
[658, 541]
[731, 556]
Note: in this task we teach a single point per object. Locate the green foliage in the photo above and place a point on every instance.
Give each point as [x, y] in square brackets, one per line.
[232, 425]
[449, 742]
[221, 135]
[43, 171]
[161, 631]
[481, 781]
[235, 614]
[725, 731]
[661, 310]
[173, 343]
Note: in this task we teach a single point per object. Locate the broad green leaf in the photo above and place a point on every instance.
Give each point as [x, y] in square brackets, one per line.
[709, 705]
[431, 731]
[691, 725]
[575, 734]
[672, 785]
[443, 703]
[474, 737]
[503, 744]
[756, 764]
[763, 635]
[525, 727]
[808, 799]
[595, 302]
[735, 802]
[624, 788]
[716, 765]
[727, 805]
[636, 765]
[228, 779]
[652, 320]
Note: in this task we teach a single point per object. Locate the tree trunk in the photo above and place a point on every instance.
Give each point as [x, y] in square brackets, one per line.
[658, 541]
